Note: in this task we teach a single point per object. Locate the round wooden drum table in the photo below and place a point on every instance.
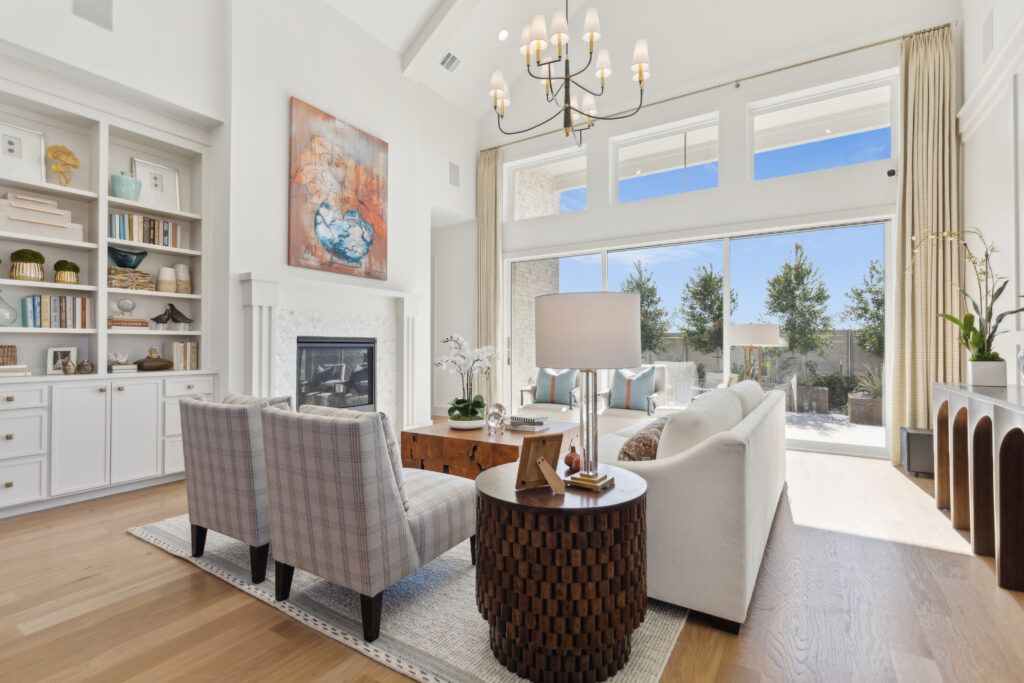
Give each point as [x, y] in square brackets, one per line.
[561, 580]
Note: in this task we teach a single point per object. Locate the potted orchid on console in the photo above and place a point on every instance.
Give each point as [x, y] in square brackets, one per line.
[978, 330]
[469, 411]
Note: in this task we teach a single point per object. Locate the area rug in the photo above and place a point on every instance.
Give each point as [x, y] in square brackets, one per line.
[430, 630]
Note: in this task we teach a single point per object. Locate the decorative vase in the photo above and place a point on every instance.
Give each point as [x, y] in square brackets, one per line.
[166, 281]
[65, 277]
[126, 259]
[86, 367]
[986, 373]
[8, 314]
[32, 272]
[124, 186]
[69, 367]
[467, 424]
[183, 279]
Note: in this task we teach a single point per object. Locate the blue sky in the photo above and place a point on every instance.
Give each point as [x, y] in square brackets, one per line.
[842, 254]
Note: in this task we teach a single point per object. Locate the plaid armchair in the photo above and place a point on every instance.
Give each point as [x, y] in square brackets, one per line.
[225, 475]
[339, 473]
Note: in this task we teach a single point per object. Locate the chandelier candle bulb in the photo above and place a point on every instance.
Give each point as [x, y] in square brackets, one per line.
[641, 57]
[591, 27]
[559, 29]
[604, 65]
[539, 34]
[524, 43]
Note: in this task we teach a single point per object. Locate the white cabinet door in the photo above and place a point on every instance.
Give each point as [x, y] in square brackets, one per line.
[174, 456]
[79, 430]
[134, 430]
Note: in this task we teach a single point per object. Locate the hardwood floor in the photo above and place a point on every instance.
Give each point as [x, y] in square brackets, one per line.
[863, 579]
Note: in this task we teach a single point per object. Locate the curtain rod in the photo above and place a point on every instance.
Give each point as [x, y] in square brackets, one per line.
[736, 82]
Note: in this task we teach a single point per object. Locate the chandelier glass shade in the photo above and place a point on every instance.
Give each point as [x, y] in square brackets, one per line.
[578, 110]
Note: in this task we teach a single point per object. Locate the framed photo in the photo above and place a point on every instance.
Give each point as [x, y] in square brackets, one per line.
[538, 462]
[56, 357]
[159, 185]
[22, 154]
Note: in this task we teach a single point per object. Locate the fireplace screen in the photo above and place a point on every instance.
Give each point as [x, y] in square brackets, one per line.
[336, 372]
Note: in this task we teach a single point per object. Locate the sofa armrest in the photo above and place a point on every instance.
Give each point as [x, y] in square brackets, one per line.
[531, 390]
[652, 402]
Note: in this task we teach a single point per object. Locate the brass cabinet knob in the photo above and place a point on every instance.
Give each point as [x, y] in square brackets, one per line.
[8, 484]
[120, 388]
[10, 399]
[191, 386]
[103, 390]
[9, 437]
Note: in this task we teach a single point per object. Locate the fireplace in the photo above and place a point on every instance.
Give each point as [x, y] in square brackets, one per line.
[336, 372]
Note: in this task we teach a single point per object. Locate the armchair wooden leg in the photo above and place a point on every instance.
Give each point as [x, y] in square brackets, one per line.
[258, 561]
[472, 549]
[198, 540]
[724, 624]
[372, 608]
[283, 574]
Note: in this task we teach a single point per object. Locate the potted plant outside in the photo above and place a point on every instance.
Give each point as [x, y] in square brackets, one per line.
[865, 403]
[469, 411]
[978, 330]
[27, 264]
[66, 272]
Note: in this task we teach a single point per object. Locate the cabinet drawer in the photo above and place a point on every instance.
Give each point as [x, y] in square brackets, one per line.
[22, 433]
[23, 396]
[174, 456]
[172, 415]
[21, 482]
[189, 386]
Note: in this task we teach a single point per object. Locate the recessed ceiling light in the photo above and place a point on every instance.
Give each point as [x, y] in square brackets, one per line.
[638, 171]
[503, 34]
[828, 131]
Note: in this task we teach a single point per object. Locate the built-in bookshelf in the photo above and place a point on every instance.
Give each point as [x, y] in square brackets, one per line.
[104, 146]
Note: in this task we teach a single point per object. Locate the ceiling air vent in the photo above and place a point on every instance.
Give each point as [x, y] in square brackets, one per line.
[450, 62]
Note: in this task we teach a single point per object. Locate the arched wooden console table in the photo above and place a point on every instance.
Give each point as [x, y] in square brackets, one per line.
[979, 470]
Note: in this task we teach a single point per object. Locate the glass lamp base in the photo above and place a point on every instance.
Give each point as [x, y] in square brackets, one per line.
[594, 482]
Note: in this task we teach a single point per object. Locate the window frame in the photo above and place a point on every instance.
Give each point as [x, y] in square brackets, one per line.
[850, 86]
[687, 125]
[508, 179]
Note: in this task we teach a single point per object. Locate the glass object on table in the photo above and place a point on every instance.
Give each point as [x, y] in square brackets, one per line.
[8, 314]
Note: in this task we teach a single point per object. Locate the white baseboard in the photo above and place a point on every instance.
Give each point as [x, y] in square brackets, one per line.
[58, 501]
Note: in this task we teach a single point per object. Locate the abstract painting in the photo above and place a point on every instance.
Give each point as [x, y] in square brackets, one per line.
[337, 196]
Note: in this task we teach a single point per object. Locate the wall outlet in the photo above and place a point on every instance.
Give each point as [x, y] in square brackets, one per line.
[156, 182]
[12, 146]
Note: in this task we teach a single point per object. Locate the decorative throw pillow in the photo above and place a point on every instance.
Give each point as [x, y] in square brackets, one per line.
[631, 389]
[749, 393]
[390, 439]
[717, 411]
[643, 445]
[554, 386]
[262, 402]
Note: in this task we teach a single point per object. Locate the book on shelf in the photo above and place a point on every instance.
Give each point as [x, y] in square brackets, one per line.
[132, 227]
[122, 367]
[63, 312]
[17, 370]
[184, 355]
[135, 323]
[8, 354]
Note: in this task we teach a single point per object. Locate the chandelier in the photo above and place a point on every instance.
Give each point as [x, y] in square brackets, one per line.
[577, 115]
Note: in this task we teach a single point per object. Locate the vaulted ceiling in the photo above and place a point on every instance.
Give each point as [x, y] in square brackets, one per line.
[691, 43]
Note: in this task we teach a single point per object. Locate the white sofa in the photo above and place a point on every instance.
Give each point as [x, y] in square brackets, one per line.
[710, 506]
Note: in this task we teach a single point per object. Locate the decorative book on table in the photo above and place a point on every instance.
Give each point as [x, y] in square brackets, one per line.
[59, 312]
[132, 227]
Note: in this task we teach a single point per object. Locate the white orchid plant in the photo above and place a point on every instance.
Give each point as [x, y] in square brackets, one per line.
[467, 363]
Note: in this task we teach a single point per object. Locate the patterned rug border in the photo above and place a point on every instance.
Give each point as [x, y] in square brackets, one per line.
[403, 657]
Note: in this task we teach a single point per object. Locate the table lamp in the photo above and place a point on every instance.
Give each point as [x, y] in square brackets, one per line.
[588, 331]
[754, 337]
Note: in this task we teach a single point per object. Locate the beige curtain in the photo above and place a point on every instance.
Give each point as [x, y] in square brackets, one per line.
[488, 269]
[926, 281]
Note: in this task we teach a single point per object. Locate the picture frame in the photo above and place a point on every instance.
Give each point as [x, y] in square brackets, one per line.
[538, 462]
[159, 184]
[22, 153]
[55, 357]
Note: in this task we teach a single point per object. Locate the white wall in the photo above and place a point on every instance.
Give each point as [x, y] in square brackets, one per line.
[992, 147]
[171, 51]
[454, 284]
[308, 50]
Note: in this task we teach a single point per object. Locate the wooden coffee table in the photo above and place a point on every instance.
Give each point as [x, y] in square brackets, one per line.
[561, 579]
[468, 452]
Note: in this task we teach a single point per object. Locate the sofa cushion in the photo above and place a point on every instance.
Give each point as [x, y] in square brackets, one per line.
[630, 390]
[717, 411]
[643, 445]
[442, 512]
[750, 394]
[554, 386]
[390, 439]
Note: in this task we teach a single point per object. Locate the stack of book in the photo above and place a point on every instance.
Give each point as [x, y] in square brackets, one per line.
[527, 423]
[184, 354]
[129, 278]
[38, 216]
[135, 228]
[134, 323]
[14, 371]
[119, 368]
[8, 354]
[43, 310]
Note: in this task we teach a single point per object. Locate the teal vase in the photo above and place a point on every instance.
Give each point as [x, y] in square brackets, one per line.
[124, 186]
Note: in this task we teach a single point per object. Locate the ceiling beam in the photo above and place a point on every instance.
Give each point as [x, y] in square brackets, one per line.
[431, 41]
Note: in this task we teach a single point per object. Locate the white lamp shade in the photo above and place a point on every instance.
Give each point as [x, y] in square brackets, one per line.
[641, 56]
[497, 84]
[604, 64]
[559, 27]
[754, 334]
[539, 32]
[591, 25]
[524, 39]
[588, 330]
[574, 103]
[589, 106]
